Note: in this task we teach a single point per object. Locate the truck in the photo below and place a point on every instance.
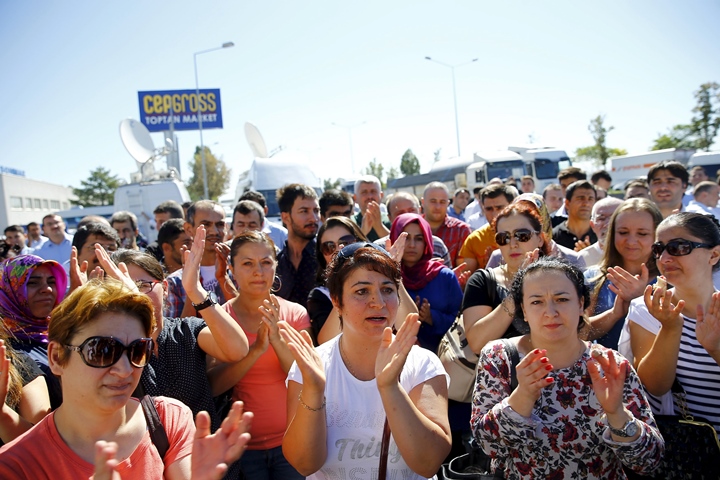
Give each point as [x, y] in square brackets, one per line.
[624, 168]
[266, 175]
[543, 164]
[501, 164]
[710, 161]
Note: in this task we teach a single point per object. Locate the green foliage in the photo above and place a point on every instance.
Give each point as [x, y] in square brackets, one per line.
[377, 169]
[679, 136]
[409, 164]
[393, 173]
[599, 152]
[706, 121]
[330, 185]
[98, 189]
[218, 176]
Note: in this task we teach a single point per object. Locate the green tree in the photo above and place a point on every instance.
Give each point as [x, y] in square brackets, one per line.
[706, 121]
[329, 185]
[377, 169]
[599, 152]
[409, 164]
[98, 189]
[679, 136]
[393, 173]
[218, 176]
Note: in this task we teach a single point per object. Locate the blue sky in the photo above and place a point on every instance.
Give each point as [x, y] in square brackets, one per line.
[72, 71]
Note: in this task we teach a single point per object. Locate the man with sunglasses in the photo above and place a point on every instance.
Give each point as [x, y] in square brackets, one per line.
[580, 197]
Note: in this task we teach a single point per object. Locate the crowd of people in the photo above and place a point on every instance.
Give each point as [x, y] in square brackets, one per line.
[309, 349]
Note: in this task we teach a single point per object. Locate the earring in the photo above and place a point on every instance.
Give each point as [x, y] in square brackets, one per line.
[277, 284]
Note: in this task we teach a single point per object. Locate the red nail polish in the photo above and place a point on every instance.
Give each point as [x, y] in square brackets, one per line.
[544, 360]
[548, 367]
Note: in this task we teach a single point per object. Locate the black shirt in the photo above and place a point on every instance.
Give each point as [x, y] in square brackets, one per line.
[566, 238]
[295, 284]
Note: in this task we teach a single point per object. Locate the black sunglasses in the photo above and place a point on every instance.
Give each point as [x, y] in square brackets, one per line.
[522, 235]
[350, 250]
[103, 352]
[677, 248]
[328, 248]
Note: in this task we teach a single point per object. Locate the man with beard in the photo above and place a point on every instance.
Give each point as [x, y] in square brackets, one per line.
[214, 280]
[579, 200]
[297, 263]
[667, 182]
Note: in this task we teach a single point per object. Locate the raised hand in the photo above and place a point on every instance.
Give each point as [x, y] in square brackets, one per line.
[394, 351]
[530, 257]
[626, 285]
[462, 274]
[532, 375]
[608, 379]
[118, 272]
[397, 249]
[78, 272]
[707, 329]
[424, 312]
[222, 251]
[583, 243]
[105, 461]
[191, 268]
[659, 304]
[262, 340]
[212, 454]
[308, 361]
[270, 310]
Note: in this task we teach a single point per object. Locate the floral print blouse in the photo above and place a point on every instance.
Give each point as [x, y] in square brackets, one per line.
[566, 436]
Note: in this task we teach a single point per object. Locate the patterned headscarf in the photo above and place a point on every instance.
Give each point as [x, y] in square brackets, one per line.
[538, 202]
[14, 306]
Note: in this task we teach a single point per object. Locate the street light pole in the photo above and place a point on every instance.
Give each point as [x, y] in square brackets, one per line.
[349, 129]
[452, 70]
[199, 113]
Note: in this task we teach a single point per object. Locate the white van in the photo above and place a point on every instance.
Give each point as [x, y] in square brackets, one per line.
[266, 175]
[710, 161]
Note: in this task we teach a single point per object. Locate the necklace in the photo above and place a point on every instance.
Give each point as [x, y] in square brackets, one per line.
[342, 356]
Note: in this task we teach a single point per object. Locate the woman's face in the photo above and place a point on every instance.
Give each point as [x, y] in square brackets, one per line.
[254, 268]
[41, 291]
[514, 251]
[157, 289]
[689, 269]
[369, 302]
[333, 240]
[105, 389]
[414, 245]
[634, 236]
[551, 306]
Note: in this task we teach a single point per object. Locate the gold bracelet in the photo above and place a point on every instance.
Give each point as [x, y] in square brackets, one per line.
[308, 407]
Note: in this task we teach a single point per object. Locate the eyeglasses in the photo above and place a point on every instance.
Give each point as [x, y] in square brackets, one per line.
[677, 248]
[522, 235]
[328, 248]
[103, 352]
[145, 286]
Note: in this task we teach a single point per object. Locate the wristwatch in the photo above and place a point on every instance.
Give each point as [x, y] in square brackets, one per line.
[628, 430]
[209, 301]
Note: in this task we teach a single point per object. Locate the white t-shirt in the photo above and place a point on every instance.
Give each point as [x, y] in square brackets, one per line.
[355, 415]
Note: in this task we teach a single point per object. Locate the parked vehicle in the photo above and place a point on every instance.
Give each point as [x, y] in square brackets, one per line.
[543, 164]
[501, 164]
[628, 167]
[710, 161]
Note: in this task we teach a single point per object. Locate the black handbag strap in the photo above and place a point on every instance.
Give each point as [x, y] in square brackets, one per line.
[384, 450]
[514, 357]
[157, 430]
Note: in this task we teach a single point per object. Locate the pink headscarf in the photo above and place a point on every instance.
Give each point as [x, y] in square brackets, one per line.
[425, 270]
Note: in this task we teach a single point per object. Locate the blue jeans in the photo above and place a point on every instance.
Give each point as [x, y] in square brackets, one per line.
[267, 465]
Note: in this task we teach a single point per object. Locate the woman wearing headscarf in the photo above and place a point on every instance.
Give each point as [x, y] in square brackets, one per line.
[434, 286]
[30, 288]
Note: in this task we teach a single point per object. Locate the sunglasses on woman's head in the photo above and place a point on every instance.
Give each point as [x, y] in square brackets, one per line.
[103, 352]
[329, 247]
[677, 248]
[522, 235]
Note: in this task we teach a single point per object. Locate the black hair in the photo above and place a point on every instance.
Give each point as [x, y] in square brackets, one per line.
[171, 207]
[246, 207]
[332, 198]
[579, 184]
[142, 260]
[255, 196]
[676, 169]
[549, 264]
[287, 194]
[202, 205]
[699, 225]
[94, 228]
[600, 175]
[170, 231]
[495, 190]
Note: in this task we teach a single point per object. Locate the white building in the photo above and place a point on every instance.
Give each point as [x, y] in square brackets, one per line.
[23, 200]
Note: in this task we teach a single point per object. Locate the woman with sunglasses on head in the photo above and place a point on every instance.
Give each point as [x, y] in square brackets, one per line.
[332, 236]
[99, 342]
[177, 367]
[626, 267]
[340, 394]
[433, 286]
[259, 378]
[674, 333]
[30, 288]
[564, 408]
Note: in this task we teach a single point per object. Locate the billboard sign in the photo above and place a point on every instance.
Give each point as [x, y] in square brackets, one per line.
[160, 109]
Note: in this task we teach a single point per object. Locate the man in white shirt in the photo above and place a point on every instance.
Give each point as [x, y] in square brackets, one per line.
[705, 199]
[599, 222]
[59, 244]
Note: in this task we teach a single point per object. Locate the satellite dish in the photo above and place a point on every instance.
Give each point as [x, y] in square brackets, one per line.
[255, 140]
[136, 138]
